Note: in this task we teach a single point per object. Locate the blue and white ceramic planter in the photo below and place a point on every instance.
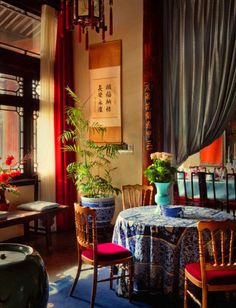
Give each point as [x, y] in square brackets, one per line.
[105, 208]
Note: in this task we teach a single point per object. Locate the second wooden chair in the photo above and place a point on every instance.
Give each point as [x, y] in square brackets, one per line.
[218, 273]
[136, 195]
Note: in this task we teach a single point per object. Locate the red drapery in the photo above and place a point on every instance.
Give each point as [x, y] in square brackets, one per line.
[63, 76]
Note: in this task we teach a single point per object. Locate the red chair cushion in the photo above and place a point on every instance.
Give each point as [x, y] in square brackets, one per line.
[108, 252]
[214, 277]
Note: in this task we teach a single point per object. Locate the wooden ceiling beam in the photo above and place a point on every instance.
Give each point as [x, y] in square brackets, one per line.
[33, 7]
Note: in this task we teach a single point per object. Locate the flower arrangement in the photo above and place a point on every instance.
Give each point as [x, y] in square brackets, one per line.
[7, 173]
[161, 169]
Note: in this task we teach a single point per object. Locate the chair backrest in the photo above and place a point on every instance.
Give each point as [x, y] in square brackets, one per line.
[180, 180]
[231, 192]
[195, 169]
[220, 171]
[85, 226]
[202, 177]
[136, 195]
[230, 177]
[220, 235]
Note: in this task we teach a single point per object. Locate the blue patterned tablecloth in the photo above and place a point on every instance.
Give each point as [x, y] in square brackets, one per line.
[161, 246]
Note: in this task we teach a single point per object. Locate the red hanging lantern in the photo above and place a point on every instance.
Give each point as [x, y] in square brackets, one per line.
[85, 14]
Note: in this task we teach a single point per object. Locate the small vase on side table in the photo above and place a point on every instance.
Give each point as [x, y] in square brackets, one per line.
[4, 204]
[163, 195]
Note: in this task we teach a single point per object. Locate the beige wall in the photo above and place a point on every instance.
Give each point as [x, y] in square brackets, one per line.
[129, 29]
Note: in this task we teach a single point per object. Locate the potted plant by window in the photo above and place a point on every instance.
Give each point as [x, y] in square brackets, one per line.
[91, 172]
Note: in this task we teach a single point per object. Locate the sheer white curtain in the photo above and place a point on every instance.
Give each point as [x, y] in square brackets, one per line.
[45, 142]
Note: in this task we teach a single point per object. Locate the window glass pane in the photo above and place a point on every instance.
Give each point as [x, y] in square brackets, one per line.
[10, 136]
[35, 89]
[11, 85]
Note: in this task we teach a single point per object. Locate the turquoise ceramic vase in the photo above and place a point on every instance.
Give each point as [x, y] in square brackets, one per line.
[163, 195]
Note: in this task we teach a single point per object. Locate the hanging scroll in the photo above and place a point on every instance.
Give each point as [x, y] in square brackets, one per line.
[105, 90]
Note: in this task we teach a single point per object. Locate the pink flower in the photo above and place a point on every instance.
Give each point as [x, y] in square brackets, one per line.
[156, 155]
[161, 156]
[166, 155]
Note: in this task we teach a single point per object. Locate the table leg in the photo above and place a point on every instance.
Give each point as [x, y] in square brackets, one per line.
[47, 223]
[26, 230]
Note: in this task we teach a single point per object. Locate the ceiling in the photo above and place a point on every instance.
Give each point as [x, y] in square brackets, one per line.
[18, 28]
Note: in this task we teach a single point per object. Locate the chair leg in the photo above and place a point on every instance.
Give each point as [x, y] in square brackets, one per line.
[204, 298]
[93, 294]
[111, 277]
[185, 292]
[76, 277]
[130, 269]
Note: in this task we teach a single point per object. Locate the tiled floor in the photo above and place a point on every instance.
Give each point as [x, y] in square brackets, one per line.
[62, 261]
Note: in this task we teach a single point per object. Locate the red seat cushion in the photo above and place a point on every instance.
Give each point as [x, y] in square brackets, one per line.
[214, 277]
[108, 252]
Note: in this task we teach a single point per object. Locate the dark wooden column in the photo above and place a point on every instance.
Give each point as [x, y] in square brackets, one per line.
[152, 79]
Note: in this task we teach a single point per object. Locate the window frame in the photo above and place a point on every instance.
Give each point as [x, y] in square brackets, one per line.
[28, 67]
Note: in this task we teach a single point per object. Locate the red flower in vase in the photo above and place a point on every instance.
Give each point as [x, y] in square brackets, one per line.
[7, 173]
[9, 160]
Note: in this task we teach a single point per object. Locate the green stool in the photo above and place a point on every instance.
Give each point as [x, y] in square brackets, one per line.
[23, 277]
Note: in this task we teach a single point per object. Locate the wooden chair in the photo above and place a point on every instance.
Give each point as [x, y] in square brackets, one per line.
[202, 199]
[218, 274]
[98, 255]
[136, 195]
[195, 169]
[231, 202]
[185, 199]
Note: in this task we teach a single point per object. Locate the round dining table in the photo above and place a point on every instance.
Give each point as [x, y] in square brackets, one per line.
[161, 246]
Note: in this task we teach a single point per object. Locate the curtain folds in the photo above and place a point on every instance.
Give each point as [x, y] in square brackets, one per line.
[199, 72]
[45, 131]
[63, 74]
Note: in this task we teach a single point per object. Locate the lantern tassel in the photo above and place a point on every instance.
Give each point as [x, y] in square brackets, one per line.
[79, 34]
[67, 15]
[92, 14]
[61, 20]
[111, 21]
[86, 40]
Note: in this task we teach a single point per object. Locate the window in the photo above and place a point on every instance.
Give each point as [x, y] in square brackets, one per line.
[19, 83]
[19, 106]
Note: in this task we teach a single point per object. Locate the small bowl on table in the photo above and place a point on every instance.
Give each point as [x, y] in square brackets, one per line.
[172, 211]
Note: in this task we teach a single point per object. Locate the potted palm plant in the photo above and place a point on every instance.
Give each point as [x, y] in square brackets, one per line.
[91, 172]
